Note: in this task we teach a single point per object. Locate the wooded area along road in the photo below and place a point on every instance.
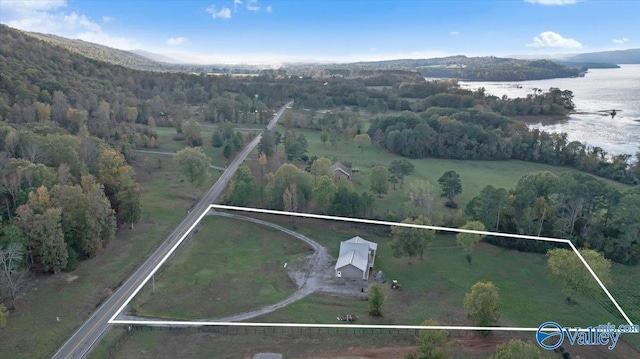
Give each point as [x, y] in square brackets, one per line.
[92, 330]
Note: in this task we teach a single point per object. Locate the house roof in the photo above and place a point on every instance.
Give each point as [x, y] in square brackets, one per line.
[356, 239]
[354, 258]
[339, 166]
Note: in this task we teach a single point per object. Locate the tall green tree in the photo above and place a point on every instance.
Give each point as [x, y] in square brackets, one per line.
[362, 141]
[432, 343]
[131, 205]
[379, 180]
[282, 179]
[626, 219]
[216, 138]
[192, 133]
[321, 167]
[377, 298]
[468, 241]
[411, 241]
[194, 165]
[565, 265]
[245, 191]
[482, 304]
[451, 186]
[489, 206]
[324, 193]
[45, 236]
[401, 169]
[267, 143]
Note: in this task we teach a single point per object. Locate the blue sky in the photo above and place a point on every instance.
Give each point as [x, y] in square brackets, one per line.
[276, 31]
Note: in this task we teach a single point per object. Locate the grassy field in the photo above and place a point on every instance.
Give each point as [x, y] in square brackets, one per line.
[433, 287]
[474, 175]
[167, 144]
[73, 296]
[228, 267]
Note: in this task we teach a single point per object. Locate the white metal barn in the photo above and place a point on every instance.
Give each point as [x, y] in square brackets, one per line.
[356, 259]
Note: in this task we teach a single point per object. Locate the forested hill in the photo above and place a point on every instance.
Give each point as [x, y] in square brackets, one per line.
[497, 69]
[101, 53]
[473, 68]
[630, 56]
[68, 127]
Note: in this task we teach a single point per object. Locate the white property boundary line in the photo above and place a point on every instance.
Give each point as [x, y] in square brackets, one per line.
[113, 319]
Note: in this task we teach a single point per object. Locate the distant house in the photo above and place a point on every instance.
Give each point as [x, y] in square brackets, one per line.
[341, 170]
[356, 259]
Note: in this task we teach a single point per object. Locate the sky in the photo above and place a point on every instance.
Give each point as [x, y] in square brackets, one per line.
[278, 31]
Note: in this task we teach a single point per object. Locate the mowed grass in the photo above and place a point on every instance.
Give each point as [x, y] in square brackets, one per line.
[166, 143]
[434, 287]
[474, 175]
[228, 267]
[166, 199]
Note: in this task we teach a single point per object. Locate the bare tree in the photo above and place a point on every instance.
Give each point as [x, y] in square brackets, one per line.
[14, 273]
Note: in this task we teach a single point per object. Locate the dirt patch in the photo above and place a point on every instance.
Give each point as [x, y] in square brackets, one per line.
[71, 278]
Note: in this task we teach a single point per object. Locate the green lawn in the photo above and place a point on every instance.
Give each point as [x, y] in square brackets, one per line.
[228, 267]
[432, 288]
[474, 175]
[435, 286]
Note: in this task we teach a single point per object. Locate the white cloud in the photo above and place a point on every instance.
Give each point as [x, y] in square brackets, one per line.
[269, 9]
[373, 49]
[50, 17]
[108, 19]
[13, 7]
[235, 5]
[224, 13]
[620, 41]
[454, 33]
[550, 39]
[552, 2]
[177, 41]
[252, 5]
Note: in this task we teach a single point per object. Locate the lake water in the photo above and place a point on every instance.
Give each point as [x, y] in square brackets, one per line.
[600, 89]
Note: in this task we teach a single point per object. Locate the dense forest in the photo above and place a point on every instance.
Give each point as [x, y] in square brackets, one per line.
[571, 205]
[497, 69]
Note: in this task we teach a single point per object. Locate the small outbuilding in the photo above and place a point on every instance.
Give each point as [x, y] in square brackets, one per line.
[341, 170]
[356, 259]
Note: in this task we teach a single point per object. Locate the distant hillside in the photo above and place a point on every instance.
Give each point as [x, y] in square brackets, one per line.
[100, 52]
[154, 57]
[631, 56]
[497, 69]
[589, 65]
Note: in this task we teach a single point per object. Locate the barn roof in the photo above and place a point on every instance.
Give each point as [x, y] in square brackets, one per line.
[356, 254]
[356, 239]
[339, 166]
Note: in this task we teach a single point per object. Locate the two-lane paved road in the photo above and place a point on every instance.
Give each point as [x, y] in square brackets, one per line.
[83, 340]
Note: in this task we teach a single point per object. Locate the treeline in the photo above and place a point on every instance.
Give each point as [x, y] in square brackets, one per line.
[39, 82]
[62, 195]
[495, 69]
[471, 134]
[290, 188]
[571, 205]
